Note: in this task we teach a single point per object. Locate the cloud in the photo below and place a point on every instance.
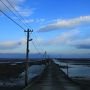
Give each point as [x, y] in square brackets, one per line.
[64, 38]
[28, 21]
[8, 45]
[26, 12]
[65, 24]
[14, 3]
[70, 39]
[18, 5]
[81, 44]
[33, 21]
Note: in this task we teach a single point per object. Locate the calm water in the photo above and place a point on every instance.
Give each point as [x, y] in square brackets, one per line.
[76, 70]
[33, 71]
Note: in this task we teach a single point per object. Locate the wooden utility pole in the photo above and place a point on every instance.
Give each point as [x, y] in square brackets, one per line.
[27, 56]
[45, 55]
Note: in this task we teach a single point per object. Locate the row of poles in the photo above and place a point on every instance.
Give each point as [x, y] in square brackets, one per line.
[27, 55]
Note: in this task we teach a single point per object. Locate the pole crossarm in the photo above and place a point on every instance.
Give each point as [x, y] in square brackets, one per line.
[28, 30]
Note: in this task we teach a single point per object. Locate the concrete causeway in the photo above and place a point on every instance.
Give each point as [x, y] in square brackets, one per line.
[53, 79]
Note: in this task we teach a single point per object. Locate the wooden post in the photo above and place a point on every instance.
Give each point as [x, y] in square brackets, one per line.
[67, 70]
[27, 57]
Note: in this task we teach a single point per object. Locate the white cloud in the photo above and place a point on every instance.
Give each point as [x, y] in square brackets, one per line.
[14, 3]
[39, 21]
[8, 45]
[64, 38]
[81, 44]
[24, 11]
[61, 24]
[70, 39]
[28, 21]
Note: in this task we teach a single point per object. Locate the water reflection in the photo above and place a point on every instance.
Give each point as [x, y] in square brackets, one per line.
[76, 70]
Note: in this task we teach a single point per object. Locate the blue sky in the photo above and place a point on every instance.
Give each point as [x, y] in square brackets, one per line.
[60, 26]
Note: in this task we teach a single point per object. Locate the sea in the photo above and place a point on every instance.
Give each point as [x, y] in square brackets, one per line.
[78, 70]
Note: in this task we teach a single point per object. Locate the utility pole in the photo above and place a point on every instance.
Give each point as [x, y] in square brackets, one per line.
[27, 56]
[45, 55]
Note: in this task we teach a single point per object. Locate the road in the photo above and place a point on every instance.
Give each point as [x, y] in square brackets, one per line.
[53, 79]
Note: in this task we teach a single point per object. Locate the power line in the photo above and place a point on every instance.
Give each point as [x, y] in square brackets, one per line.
[12, 20]
[18, 18]
[38, 44]
[12, 12]
[15, 21]
[21, 18]
[36, 41]
[36, 48]
[17, 13]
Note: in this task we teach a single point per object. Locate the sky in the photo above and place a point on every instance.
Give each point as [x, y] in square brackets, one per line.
[60, 27]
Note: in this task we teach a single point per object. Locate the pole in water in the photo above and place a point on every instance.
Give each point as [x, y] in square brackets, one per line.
[67, 70]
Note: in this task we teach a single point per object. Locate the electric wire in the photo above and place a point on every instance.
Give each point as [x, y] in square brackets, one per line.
[13, 13]
[36, 48]
[21, 17]
[12, 20]
[20, 20]
[18, 13]
[36, 42]
[21, 28]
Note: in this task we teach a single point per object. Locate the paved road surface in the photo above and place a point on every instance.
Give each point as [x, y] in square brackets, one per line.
[53, 79]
